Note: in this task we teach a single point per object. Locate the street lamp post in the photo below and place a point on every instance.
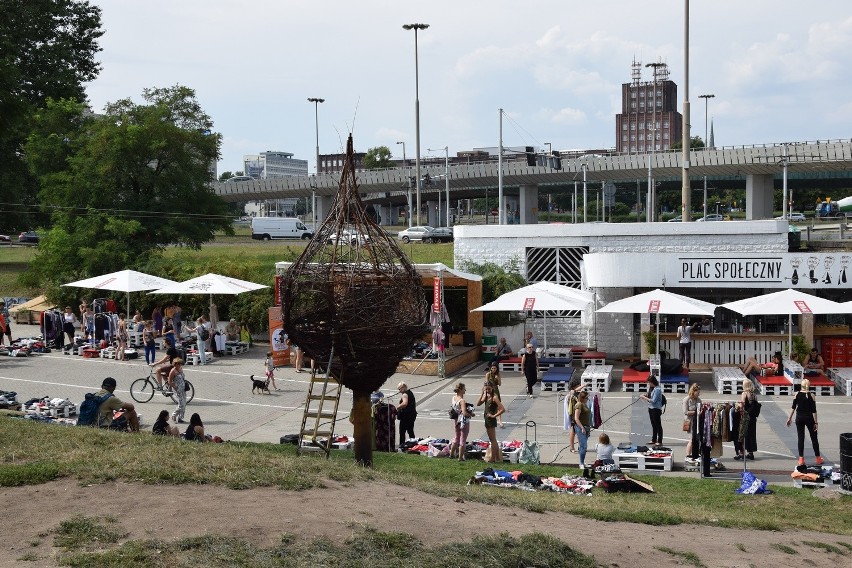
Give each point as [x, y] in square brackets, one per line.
[652, 194]
[316, 102]
[416, 28]
[446, 150]
[706, 142]
[408, 178]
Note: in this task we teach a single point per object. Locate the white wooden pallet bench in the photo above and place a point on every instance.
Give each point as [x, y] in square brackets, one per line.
[680, 385]
[593, 358]
[842, 377]
[597, 377]
[728, 380]
[236, 348]
[195, 359]
[775, 386]
[635, 460]
[510, 364]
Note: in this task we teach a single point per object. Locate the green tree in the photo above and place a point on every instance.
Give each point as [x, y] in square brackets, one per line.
[226, 175]
[496, 281]
[121, 187]
[47, 49]
[695, 143]
[378, 157]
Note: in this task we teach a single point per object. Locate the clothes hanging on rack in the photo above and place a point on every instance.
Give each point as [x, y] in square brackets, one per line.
[384, 419]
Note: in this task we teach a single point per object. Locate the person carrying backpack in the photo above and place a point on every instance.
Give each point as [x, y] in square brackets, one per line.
[97, 409]
[202, 334]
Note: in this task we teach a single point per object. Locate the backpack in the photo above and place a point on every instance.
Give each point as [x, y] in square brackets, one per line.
[88, 411]
[203, 333]
[663, 400]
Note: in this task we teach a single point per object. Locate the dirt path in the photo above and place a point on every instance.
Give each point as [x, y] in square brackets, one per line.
[262, 515]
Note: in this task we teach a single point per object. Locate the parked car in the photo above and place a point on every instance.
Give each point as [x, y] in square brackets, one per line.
[414, 233]
[439, 235]
[5, 239]
[708, 218]
[347, 236]
[28, 237]
[240, 178]
[794, 217]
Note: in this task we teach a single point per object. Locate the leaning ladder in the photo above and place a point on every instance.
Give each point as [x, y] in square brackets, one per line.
[317, 432]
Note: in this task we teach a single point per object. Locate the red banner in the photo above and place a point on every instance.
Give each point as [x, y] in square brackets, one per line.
[436, 295]
[654, 307]
[277, 291]
[528, 304]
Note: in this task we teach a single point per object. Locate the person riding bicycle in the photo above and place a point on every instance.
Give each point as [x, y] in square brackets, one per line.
[105, 410]
[162, 374]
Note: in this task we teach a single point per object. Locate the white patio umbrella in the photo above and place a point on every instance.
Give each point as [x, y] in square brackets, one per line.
[786, 302]
[123, 281]
[659, 302]
[210, 284]
[541, 296]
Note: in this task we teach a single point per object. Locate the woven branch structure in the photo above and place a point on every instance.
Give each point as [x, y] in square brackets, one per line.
[354, 293]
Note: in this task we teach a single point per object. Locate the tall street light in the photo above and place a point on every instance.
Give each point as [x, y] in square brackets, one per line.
[706, 142]
[416, 28]
[316, 102]
[652, 194]
[408, 198]
[685, 190]
[446, 150]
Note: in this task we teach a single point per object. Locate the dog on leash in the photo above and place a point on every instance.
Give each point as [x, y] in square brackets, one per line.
[259, 386]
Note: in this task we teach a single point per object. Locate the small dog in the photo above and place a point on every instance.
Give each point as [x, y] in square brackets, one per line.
[259, 386]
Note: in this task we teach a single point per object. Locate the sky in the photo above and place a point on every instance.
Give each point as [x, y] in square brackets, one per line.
[780, 70]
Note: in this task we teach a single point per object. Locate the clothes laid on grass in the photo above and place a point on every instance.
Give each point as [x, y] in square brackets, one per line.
[524, 481]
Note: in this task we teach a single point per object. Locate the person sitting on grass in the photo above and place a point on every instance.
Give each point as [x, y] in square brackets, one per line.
[105, 418]
[161, 426]
[195, 430]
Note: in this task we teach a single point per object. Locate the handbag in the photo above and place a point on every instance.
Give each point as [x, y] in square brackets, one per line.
[687, 425]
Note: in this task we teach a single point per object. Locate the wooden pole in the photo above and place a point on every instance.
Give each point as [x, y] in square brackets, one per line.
[362, 428]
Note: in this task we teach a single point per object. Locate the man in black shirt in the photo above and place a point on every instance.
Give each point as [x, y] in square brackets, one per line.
[406, 412]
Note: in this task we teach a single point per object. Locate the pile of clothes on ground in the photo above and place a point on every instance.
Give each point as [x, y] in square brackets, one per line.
[574, 485]
[24, 346]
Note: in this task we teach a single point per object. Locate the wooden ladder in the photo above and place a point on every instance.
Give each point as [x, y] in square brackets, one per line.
[317, 432]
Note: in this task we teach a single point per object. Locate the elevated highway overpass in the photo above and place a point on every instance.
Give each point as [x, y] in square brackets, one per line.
[759, 165]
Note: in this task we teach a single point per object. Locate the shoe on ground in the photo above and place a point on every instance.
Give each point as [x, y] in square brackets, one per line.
[819, 460]
[738, 457]
[749, 456]
[801, 461]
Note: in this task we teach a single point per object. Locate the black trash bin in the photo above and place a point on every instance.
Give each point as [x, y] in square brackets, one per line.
[846, 462]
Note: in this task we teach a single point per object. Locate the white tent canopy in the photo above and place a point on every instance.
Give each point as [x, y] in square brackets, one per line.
[659, 302]
[123, 281]
[786, 302]
[541, 296]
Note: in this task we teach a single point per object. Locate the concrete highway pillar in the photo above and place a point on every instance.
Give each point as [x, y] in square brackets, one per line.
[389, 214]
[760, 189]
[323, 207]
[432, 214]
[528, 205]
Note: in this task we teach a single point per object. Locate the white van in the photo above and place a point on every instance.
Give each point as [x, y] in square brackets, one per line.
[266, 228]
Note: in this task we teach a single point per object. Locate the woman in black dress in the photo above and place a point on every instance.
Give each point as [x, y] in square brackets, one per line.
[529, 365]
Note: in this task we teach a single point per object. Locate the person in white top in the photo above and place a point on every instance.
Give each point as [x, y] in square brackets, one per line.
[684, 336]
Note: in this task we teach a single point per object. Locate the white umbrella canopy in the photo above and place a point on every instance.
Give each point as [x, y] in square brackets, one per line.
[659, 302]
[541, 296]
[123, 281]
[786, 302]
[210, 284]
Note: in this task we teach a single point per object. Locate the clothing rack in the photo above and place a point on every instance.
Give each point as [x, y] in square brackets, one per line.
[704, 451]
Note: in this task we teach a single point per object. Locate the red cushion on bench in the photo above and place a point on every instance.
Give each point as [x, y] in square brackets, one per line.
[634, 376]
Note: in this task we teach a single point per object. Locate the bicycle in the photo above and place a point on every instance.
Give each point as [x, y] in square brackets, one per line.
[142, 390]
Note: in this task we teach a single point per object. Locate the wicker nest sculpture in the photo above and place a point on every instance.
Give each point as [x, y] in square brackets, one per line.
[353, 298]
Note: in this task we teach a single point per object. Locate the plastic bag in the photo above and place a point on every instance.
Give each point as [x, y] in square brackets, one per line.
[530, 453]
[751, 485]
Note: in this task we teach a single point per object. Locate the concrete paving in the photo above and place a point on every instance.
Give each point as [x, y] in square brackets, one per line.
[228, 408]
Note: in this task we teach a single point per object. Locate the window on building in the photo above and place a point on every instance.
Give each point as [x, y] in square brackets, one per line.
[641, 126]
[659, 103]
[633, 104]
[560, 265]
[633, 138]
[665, 124]
[624, 126]
[665, 135]
[632, 126]
[632, 94]
[641, 94]
[648, 136]
[624, 137]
